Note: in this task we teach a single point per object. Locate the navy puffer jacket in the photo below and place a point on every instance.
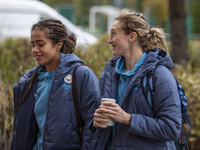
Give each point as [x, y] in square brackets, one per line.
[61, 124]
[150, 129]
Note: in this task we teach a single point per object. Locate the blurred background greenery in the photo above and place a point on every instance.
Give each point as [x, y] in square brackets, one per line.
[16, 57]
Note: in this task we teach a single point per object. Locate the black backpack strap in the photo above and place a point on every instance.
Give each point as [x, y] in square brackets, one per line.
[75, 97]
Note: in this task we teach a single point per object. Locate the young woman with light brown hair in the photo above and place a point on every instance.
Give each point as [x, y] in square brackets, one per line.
[138, 49]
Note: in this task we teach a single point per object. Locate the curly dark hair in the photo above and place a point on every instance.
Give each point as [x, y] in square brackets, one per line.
[56, 31]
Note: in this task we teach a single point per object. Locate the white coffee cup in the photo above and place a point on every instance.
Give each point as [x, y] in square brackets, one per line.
[111, 121]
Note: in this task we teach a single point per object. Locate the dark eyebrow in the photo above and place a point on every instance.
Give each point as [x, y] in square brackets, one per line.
[38, 41]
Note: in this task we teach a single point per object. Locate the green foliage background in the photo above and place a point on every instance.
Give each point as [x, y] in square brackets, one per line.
[97, 55]
[16, 59]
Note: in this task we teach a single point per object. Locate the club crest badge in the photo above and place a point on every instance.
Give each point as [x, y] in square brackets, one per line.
[68, 79]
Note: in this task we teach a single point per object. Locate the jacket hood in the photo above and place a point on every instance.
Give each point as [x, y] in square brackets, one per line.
[157, 57]
[69, 59]
[154, 58]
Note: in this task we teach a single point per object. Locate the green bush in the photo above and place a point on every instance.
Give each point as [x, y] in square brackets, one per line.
[194, 53]
[6, 115]
[15, 59]
[97, 55]
[191, 83]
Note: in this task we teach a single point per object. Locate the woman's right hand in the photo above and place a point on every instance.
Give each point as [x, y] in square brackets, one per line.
[100, 117]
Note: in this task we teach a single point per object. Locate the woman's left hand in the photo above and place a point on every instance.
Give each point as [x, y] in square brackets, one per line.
[114, 111]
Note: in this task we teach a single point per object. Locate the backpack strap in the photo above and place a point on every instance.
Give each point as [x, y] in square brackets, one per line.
[148, 91]
[75, 98]
[147, 88]
[182, 96]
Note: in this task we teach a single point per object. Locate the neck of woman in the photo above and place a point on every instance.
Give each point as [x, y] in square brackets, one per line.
[132, 58]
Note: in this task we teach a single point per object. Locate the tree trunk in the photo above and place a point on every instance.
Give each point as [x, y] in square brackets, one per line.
[179, 53]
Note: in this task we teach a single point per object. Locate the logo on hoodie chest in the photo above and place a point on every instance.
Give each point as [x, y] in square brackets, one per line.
[68, 80]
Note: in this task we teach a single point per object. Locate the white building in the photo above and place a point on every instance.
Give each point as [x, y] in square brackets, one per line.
[110, 11]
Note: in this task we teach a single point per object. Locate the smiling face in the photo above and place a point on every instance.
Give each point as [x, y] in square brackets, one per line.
[44, 51]
[118, 39]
